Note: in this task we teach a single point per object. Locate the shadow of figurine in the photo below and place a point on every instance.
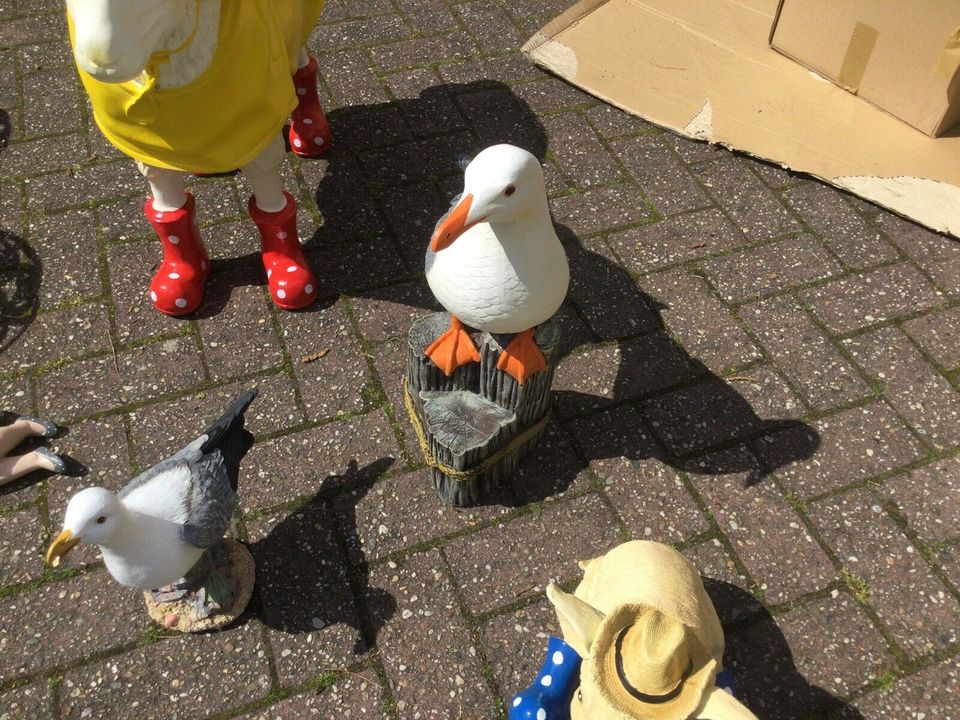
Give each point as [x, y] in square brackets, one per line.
[767, 679]
[304, 583]
[20, 276]
[392, 171]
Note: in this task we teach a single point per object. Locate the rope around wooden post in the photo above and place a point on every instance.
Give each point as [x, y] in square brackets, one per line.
[451, 472]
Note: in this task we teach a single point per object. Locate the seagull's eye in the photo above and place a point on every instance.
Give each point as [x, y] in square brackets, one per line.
[101, 520]
[510, 190]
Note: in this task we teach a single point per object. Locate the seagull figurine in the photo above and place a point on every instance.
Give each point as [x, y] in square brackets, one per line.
[495, 262]
[156, 528]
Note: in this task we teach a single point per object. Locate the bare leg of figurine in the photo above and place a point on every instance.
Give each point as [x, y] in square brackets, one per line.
[309, 130]
[177, 287]
[292, 284]
[19, 430]
[40, 459]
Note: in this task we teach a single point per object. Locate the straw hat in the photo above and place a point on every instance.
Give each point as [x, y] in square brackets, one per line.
[653, 660]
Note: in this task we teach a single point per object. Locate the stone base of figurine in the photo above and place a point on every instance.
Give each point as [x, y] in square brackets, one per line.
[214, 593]
[476, 425]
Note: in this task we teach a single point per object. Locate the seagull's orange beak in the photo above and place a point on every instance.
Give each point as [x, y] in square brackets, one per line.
[454, 225]
[64, 543]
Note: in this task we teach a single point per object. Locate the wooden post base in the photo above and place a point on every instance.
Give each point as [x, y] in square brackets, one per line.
[476, 425]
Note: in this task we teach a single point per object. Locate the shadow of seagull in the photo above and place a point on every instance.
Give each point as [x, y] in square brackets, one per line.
[304, 581]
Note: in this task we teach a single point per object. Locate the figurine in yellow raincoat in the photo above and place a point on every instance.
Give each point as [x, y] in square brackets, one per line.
[205, 86]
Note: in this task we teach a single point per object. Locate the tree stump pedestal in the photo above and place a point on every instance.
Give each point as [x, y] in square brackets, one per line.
[476, 425]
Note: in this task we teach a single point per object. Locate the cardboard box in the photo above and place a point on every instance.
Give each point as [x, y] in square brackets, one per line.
[904, 57]
[706, 71]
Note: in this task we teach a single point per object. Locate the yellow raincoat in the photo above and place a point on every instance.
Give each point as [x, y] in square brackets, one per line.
[232, 111]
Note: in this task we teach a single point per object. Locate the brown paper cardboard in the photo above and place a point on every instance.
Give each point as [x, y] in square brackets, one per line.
[706, 71]
[902, 57]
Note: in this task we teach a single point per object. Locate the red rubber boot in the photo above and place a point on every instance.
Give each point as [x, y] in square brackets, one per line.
[177, 288]
[309, 131]
[292, 284]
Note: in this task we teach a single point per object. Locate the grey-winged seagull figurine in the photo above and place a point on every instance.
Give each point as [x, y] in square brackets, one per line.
[164, 531]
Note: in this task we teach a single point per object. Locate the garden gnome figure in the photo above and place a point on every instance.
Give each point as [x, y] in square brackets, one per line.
[164, 531]
[205, 86]
[40, 458]
[649, 638]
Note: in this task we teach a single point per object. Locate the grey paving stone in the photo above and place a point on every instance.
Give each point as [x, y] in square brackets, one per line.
[94, 386]
[857, 243]
[490, 26]
[939, 335]
[433, 667]
[604, 374]
[778, 266]
[800, 664]
[929, 497]
[929, 693]
[62, 622]
[507, 562]
[30, 702]
[67, 249]
[308, 605]
[677, 239]
[822, 375]
[373, 527]
[334, 383]
[937, 254]
[701, 323]
[578, 151]
[664, 178]
[851, 446]
[918, 611]
[352, 696]
[776, 548]
[727, 586]
[912, 385]
[22, 543]
[180, 677]
[863, 300]
[748, 201]
[301, 464]
[605, 294]
[516, 645]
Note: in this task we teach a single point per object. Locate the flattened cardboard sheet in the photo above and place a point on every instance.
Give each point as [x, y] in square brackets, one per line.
[706, 71]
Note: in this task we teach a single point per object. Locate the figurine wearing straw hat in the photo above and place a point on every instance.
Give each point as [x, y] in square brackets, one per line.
[649, 640]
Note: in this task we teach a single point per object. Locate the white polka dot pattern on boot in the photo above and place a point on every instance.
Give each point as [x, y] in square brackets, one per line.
[174, 276]
[180, 302]
[308, 289]
[301, 91]
[292, 268]
[297, 143]
[269, 273]
[318, 140]
[281, 235]
[546, 681]
[203, 265]
[281, 293]
[307, 121]
[517, 700]
[541, 714]
[558, 658]
[153, 296]
[174, 240]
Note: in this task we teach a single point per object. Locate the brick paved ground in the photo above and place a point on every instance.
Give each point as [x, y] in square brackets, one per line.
[773, 386]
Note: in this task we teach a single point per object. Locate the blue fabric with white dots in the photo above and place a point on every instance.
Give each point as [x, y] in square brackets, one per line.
[548, 698]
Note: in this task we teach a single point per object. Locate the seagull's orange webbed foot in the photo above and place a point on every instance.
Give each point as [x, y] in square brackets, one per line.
[453, 349]
[521, 358]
